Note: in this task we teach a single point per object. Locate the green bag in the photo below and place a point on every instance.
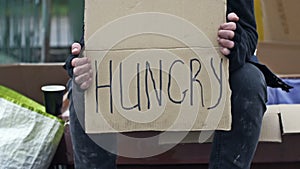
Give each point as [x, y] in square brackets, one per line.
[29, 136]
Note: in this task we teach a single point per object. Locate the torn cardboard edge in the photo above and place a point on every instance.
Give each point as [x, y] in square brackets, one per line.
[279, 120]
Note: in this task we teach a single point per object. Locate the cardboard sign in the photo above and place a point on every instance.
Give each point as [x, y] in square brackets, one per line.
[156, 66]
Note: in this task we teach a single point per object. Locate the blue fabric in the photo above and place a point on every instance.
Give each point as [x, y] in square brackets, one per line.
[277, 96]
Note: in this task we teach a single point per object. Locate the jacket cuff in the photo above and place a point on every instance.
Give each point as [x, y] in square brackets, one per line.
[68, 65]
[237, 33]
[237, 54]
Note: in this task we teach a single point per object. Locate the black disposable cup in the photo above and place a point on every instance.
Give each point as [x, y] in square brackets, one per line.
[53, 98]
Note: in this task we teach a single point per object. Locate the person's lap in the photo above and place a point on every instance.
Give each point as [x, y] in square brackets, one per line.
[235, 149]
[231, 149]
[88, 154]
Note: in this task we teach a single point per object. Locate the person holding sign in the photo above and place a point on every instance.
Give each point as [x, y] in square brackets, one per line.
[87, 154]
[232, 149]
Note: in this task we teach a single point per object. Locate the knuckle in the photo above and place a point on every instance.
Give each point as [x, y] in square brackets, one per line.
[77, 80]
[232, 45]
[74, 62]
[83, 86]
[232, 34]
[222, 43]
[75, 71]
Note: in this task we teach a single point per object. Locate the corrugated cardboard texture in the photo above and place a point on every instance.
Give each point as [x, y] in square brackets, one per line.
[177, 40]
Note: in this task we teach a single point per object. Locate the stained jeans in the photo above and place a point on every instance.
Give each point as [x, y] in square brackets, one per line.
[231, 149]
[86, 150]
[235, 149]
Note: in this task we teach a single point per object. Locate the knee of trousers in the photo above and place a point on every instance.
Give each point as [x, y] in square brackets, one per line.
[248, 82]
[249, 95]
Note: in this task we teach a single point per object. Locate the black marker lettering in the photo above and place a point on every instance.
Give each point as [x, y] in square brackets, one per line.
[158, 95]
[220, 79]
[169, 84]
[104, 86]
[193, 79]
[121, 90]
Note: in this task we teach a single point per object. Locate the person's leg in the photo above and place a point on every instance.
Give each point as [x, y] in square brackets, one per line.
[235, 149]
[88, 154]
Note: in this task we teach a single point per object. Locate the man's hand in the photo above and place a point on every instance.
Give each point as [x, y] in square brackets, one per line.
[82, 68]
[226, 34]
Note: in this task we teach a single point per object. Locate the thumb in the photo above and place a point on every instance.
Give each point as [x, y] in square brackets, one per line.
[74, 62]
[232, 17]
[75, 49]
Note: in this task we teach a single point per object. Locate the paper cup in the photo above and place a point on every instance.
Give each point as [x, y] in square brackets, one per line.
[53, 98]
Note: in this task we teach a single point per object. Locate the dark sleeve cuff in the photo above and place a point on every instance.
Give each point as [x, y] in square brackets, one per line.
[237, 56]
[237, 33]
[68, 65]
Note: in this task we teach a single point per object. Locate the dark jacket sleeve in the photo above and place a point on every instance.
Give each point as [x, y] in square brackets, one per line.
[245, 35]
[246, 41]
[68, 66]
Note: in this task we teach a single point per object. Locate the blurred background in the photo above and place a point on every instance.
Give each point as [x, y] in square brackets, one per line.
[38, 31]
